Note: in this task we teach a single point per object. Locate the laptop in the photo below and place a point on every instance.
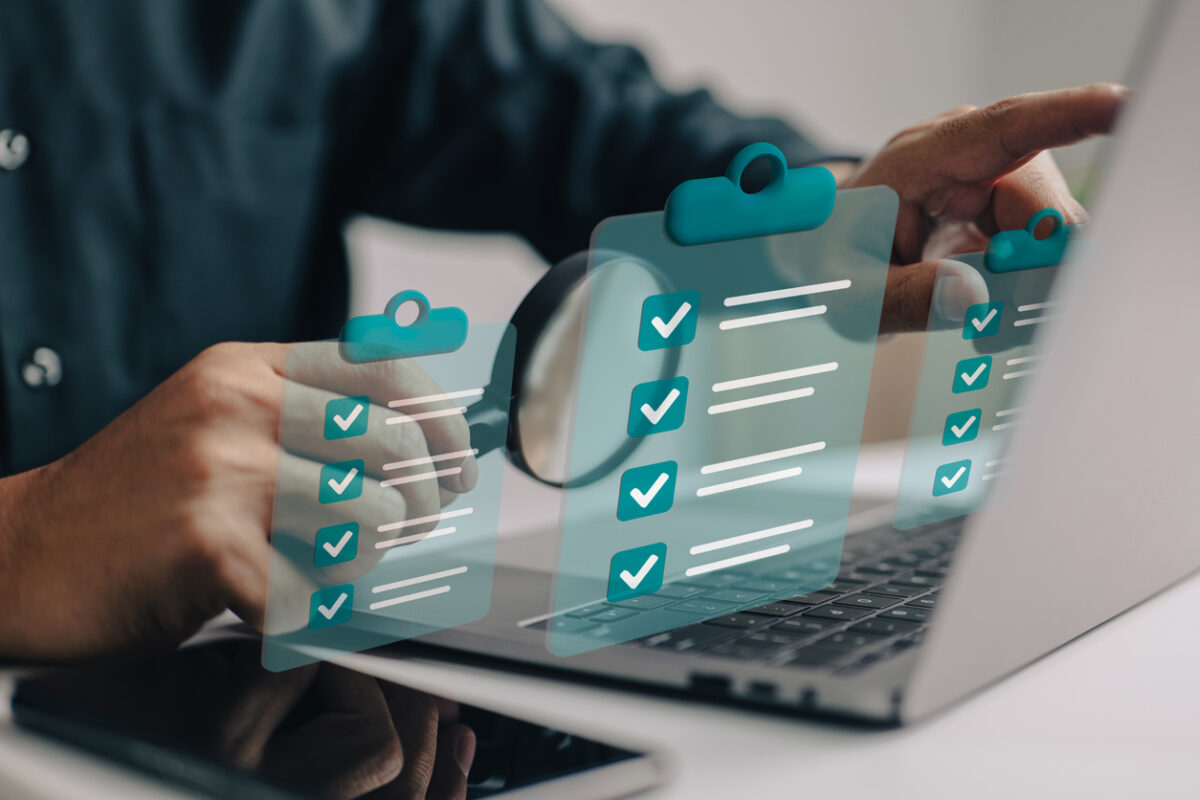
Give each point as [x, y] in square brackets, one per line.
[1094, 514]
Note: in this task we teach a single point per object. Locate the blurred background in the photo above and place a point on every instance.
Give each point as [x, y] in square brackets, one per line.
[852, 74]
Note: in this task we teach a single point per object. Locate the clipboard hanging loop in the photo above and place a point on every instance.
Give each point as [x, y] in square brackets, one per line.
[747, 155]
[1009, 251]
[708, 210]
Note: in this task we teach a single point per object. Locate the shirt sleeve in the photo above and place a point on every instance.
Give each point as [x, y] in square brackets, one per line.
[496, 115]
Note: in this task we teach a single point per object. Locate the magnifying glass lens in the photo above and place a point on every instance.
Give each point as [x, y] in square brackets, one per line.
[608, 304]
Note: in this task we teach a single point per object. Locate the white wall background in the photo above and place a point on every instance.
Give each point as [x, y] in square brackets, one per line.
[853, 73]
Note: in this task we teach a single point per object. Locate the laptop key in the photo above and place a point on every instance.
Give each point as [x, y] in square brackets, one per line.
[765, 586]
[689, 637]
[928, 601]
[678, 591]
[771, 637]
[847, 641]
[811, 599]
[737, 596]
[883, 627]
[644, 602]
[896, 590]
[586, 611]
[837, 612]
[906, 613]
[806, 625]
[738, 621]
[880, 568]
[568, 625]
[867, 601]
[776, 610]
[920, 580]
[613, 614]
[701, 607]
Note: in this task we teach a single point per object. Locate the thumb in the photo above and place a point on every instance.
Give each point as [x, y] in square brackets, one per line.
[946, 286]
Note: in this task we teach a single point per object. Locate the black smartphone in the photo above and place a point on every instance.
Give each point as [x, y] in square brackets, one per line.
[211, 718]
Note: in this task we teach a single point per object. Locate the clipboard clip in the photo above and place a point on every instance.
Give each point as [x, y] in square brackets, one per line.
[1010, 251]
[707, 210]
[379, 337]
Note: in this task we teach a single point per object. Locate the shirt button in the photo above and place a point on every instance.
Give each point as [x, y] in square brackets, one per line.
[14, 149]
[44, 368]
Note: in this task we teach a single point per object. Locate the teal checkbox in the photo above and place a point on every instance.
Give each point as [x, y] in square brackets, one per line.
[647, 490]
[668, 320]
[346, 417]
[952, 477]
[635, 572]
[657, 406]
[336, 544]
[962, 426]
[342, 480]
[332, 605]
[972, 374]
[982, 320]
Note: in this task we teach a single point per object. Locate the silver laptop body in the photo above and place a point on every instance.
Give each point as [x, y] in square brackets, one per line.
[1099, 510]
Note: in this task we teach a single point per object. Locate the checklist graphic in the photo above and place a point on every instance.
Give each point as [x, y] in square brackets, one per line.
[347, 417]
[721, 369]
[336, 544]
[384, 564]
[974, 374]
[637, 572]
[332, 605]
[647, 490]
[657, 406]
[982, 320]
[962, 427]
[971, 374]
[951, 478]
[342, 480]
[668, 320]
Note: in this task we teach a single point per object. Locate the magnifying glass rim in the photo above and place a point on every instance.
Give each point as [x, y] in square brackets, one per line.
[531, 320]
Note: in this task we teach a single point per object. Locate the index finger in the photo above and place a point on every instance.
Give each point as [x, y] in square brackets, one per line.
[994, 140]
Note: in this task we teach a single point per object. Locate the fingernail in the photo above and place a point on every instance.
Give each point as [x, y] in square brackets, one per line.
[959, 286]
[947, 298]
[469, 475]
[464, 751]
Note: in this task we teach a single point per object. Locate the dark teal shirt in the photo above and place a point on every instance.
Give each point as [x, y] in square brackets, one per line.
[178, 173]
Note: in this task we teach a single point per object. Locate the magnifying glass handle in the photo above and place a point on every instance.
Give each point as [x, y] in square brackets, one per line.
[488, 425]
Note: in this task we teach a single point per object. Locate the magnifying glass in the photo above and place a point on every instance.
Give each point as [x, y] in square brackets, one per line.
[550, 324]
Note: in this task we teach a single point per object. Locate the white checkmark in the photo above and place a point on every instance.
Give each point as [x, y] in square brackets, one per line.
[656, 414]
[645, 499]
[345, 422]
[949, 482]
[958, 430]
[970, 378]
[328, 611]
[980, 324]
[340, 486]
[633, 581]
[334, 549]
[665, 329]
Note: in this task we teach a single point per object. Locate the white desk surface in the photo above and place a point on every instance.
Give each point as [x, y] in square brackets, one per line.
[1112, 715]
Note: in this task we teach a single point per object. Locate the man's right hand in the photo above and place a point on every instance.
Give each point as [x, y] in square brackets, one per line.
[161, 520]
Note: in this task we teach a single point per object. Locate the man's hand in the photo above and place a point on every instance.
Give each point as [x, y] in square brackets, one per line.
[967, 174]
[160, 521]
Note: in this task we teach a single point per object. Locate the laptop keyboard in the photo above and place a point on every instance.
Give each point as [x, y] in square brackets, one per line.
[879, 606]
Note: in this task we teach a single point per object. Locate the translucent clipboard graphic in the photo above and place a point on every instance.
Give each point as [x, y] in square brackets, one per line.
[352, 565]
[973, 375]
[737, 493]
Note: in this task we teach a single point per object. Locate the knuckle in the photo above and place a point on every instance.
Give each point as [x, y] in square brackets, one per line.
[459, 432]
